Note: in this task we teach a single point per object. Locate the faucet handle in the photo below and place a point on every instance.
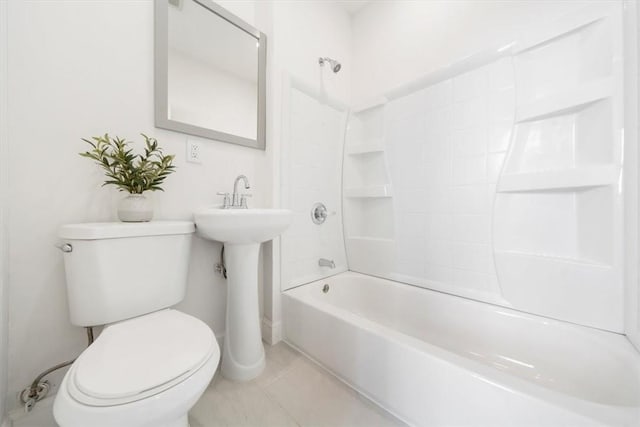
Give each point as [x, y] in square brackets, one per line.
[243, 200]
[226, 202]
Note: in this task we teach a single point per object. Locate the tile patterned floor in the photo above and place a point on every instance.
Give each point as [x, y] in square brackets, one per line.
[292, 391]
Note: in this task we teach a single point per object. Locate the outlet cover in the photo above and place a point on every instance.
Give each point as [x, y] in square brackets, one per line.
[193, 151]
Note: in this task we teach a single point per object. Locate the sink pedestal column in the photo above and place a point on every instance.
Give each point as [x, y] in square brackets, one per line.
[243, 352]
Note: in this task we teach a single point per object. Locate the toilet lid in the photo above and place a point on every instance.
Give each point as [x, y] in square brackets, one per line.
[140, 357]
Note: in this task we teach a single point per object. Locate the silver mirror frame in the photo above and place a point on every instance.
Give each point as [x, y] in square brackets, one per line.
[161, 78]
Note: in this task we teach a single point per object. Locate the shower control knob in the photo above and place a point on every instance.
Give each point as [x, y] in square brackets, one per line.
[319, 213]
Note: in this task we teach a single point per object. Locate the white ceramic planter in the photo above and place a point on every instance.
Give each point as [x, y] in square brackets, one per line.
[135, 208]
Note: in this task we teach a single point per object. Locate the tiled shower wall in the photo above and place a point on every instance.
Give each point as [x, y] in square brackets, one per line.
[312, 174]
[445, 146]
[503, 182]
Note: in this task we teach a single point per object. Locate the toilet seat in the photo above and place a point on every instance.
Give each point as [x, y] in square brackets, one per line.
[138, 358]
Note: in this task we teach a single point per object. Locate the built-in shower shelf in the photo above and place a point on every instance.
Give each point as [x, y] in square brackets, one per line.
[583, 177]
[374, 103]
[566, 102]
[374, 191]
[364, 149]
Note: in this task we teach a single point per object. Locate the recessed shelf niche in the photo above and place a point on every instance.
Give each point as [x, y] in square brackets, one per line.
[558, 220]
[367, 192]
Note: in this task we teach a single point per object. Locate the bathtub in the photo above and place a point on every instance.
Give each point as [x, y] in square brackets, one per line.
[433, 359]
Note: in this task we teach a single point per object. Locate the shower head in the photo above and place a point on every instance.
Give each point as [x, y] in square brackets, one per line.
[335, 65]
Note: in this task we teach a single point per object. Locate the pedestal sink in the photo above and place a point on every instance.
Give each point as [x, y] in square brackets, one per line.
[242, 231]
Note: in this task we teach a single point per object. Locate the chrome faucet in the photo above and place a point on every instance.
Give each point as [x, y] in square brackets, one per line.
[236, 200]
[242, 203]
[326, 263]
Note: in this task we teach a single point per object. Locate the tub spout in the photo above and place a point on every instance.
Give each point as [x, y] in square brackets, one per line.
[326, 263]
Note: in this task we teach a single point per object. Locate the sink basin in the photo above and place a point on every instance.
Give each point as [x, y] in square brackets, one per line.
[242, 225]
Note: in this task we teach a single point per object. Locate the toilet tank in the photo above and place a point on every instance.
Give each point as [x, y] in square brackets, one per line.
[118, 270]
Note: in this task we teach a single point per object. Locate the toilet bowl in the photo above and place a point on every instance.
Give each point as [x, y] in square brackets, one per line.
[143, 372]
[151, 363]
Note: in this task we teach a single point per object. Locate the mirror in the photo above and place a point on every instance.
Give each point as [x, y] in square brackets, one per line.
[210, 73]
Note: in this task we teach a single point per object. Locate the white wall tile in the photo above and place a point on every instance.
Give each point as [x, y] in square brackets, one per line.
[501, 74]
[470, 280]
[469, 170]
[501, 104]
[439, 226]
[499, 135]
[467, 129]
[411, 225]
[438, 174]
[438, 252]
[410, 268]
[438, 273]
[410, 105]
[438, 200]
[471, 228]
[470, 142]
[411, 248]
[470, 85]
[494, 166]
[473, 257]
[438, 121]
[436, 148]
[470, 113]
[411, 200]
[469, 199]
[439, 95]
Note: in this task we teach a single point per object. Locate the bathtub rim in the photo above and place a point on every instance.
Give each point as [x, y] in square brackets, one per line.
[495, 305]
[592, 410]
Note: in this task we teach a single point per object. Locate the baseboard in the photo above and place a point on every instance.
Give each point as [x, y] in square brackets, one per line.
[271, 331]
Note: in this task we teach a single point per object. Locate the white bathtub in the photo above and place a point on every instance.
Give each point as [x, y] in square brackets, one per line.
[434, 359]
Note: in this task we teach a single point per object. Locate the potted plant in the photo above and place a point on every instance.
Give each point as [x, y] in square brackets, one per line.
[133, 173]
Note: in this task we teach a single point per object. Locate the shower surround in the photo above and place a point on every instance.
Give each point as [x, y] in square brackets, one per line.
[500, 179]
[501, 183]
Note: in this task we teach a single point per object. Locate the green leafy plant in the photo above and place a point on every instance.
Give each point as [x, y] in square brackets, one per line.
[134, 173]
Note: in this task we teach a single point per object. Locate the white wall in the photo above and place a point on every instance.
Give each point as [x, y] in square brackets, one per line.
[4, 273]
[303, 31]
[78, 69]
[307, 30]
[395, 42]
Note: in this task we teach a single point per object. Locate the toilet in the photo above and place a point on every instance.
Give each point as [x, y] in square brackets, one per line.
[151, 363]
